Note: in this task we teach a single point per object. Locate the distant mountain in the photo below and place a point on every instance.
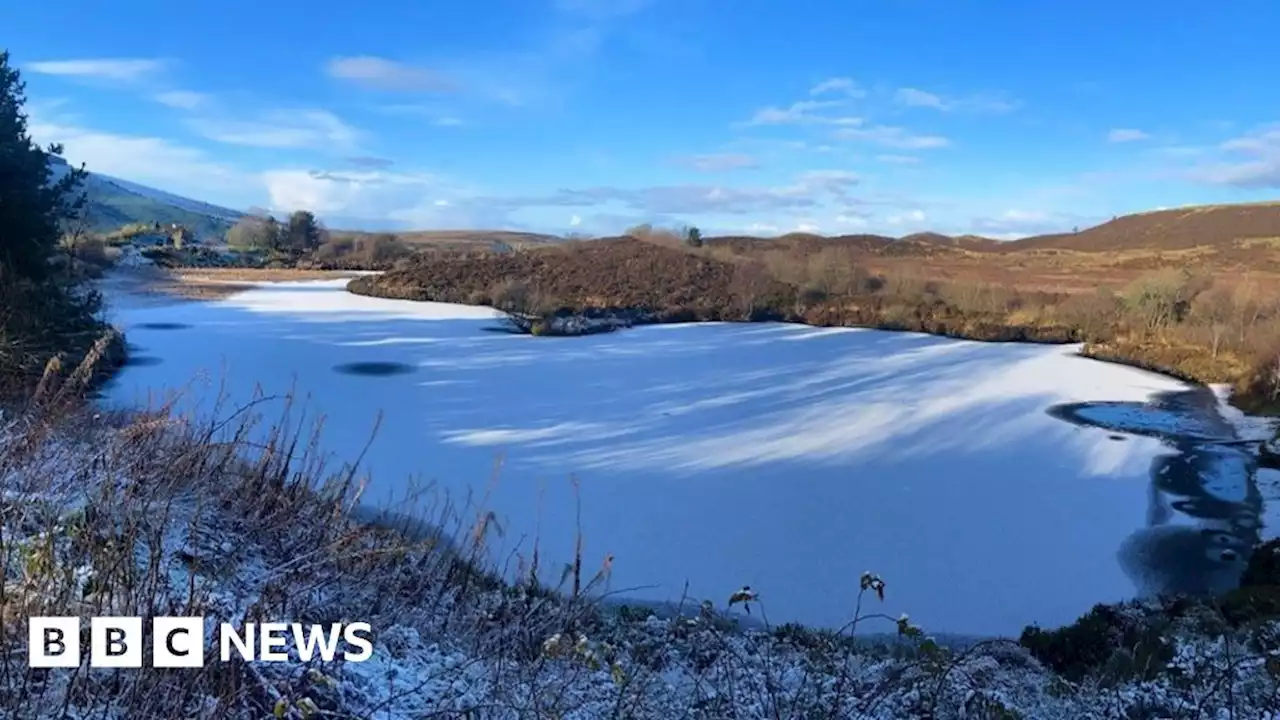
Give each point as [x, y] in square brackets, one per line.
[113, 202]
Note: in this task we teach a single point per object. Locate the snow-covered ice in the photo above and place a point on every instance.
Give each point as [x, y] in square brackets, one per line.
[787, 458]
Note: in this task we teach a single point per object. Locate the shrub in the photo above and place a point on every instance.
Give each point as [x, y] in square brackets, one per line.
[510, 296]
[1106, 640]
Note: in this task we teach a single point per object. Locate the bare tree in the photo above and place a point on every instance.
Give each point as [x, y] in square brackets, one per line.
[1216, 310]
[749, 284]
[255, 231]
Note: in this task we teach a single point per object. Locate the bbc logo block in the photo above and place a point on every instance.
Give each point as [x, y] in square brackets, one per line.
[179, 642]
[53, 642]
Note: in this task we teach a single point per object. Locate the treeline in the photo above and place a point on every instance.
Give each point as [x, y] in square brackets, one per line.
[260, 231]
[304, 242]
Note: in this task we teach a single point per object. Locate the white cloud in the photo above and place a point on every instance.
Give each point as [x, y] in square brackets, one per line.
[575, 221]
[838, 85]
[125, 69]
[808, 227]
[913, 216]
[364, 192]
[834, 182]
[449, 122]
[1124, 135]
[184, 99]
[912, 97]
[1015, 223]
[802, 113]
[719, 162]
[314, 129]
[1248, 161]
[152, 161]
[898, 159]
[894, 137]
[851, 220]
[915, 97]
[383, 74]
[409, 199]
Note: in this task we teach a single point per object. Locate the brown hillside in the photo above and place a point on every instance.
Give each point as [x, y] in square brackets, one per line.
[802, 243]
[465, 240]
[612, 273]
[1178, 229]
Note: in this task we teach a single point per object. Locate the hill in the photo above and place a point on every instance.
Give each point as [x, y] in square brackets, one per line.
[113, 202]
[1223, 227]
[1176, 229]
[608, 274]
[457, 240]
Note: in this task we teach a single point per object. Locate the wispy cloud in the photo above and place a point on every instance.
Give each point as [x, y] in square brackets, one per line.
[1249, 161]
[450, 121]
[120, 69]
[370, 163]
[718, 162]
[184, 99]
[804, 112]
[835, 182]
[312, 129]
[912, 97]
[150, 160]
[893, 137]
[838, 86]
[378, 73]
[1125, 135]
[910, 217]
[898, 159]
[1015, 223]
[915, 97]
[809, 190]
[404, 198]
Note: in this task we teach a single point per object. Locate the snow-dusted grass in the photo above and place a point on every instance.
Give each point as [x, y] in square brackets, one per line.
[785, 457]
[160, 514]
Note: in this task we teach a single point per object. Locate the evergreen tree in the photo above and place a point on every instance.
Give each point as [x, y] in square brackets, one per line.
[693, 236]
[303, 232]
[34, 201]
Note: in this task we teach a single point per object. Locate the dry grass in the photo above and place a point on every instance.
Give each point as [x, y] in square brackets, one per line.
[234, 519]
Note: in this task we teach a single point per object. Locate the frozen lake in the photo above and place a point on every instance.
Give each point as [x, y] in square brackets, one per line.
[782, 457]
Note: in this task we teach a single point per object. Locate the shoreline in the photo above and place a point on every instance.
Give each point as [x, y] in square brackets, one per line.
[625, 637]
[991, 351]
[188, 284]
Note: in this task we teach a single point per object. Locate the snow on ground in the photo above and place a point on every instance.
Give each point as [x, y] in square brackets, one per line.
[782, 457]
[1247, 427]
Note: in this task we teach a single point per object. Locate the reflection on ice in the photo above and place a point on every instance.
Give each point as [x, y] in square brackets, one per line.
[1204, 512]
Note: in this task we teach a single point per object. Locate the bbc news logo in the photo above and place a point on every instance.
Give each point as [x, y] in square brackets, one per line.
[179, 642]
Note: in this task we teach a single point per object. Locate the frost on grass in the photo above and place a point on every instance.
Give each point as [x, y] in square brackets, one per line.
[158, 515]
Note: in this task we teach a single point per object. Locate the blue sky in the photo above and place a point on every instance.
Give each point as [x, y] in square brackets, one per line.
[1003, 117]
